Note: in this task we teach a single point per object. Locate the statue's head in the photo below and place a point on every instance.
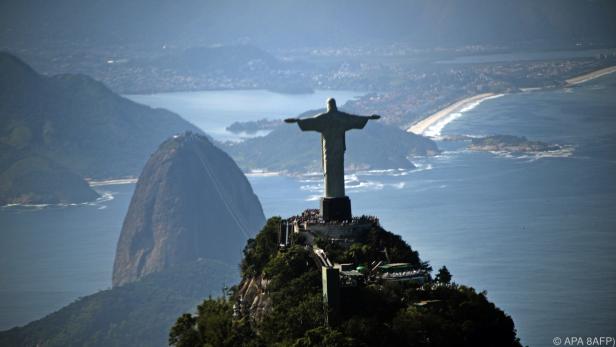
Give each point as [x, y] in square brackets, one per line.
[331, 105]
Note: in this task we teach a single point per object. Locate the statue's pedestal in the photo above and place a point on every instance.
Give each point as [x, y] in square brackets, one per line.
[336, 209]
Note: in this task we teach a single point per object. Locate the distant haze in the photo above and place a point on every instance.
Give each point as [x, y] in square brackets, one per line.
[302, 23]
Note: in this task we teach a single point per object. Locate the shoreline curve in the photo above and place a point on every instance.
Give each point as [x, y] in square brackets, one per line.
[421, 126]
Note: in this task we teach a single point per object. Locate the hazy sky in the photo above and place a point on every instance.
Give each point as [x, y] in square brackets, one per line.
[283, 23]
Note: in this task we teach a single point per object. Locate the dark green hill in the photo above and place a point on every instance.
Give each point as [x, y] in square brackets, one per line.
[279, 301]
[27, 178]
[78, 122]
[137, 314]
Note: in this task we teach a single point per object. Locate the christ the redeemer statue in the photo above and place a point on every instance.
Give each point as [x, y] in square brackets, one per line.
[332, 125]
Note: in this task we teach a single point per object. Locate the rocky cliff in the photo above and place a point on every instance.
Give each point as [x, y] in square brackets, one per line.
[191, 202]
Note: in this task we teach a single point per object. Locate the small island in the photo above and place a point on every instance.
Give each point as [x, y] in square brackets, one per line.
[254, 126]
[512, 144]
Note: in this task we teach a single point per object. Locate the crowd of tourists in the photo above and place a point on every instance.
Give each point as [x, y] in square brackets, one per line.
[313, 216]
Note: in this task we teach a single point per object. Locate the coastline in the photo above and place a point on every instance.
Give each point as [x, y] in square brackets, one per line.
[590, 76]
[110, 182]
[421, 126]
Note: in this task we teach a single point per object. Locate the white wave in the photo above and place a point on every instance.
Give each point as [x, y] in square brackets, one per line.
[353, 184]
[435, 129]
[378, 172]
[365, 186]
[419, 167]
[262, 173]
[448, 155]
[105, 196]
[563, 152]
[348, 179]
[399, 185]
[29, 206]
[475, 136]
[313, 198]
[312, 173]
[311, 187]
[530, 89]
[310, 180]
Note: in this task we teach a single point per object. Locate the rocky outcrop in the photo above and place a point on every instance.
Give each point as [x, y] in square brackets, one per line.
[251, 298]
[191, 202]
[510, 143]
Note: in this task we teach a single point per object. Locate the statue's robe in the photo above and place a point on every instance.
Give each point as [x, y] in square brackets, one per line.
[332, 126]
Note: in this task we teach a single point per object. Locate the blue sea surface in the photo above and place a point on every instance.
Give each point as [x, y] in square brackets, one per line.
[537, 233]
[50, 256]
[213, 111]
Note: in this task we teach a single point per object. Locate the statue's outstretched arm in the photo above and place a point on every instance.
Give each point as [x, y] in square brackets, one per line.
[307, 124]
[359, 122]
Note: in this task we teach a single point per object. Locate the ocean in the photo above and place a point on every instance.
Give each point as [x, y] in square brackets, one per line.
[535, 232]
[213, 111]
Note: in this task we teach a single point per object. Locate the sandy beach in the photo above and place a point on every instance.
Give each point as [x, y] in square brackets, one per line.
[591, 75]
[98, 183]
[421, 126]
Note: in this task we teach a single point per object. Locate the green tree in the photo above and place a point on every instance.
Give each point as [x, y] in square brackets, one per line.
[324, 337]
[184, 333]
[443, 275]
[259, 250]
[213, 326]
[379, 313]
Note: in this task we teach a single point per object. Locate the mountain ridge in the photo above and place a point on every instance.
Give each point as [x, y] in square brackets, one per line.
[79, 122]
[65, 128]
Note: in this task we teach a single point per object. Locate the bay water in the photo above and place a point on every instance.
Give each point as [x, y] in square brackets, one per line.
[537, 232]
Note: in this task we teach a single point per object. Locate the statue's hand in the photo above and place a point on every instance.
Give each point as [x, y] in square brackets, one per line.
[375, 116]
[291, 120]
